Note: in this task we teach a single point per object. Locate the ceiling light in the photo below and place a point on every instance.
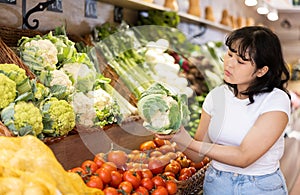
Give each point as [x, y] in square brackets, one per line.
[273, 15]
[262, 8]
[250, 2]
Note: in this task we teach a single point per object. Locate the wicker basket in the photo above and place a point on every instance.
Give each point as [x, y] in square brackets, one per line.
[11, 35]
[193, 185]
[7, 55]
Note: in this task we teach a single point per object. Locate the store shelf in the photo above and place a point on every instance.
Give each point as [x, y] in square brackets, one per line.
[141, 5]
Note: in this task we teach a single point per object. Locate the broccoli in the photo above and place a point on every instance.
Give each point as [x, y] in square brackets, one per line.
[58, 117]
[23, 118]
[8, 91]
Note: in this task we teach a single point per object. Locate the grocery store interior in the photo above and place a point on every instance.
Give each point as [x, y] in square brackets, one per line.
[96, 36]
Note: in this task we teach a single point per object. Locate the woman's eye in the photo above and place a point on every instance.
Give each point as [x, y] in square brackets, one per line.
[240, 61]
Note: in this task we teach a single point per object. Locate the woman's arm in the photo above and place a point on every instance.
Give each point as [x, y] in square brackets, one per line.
[261, 137]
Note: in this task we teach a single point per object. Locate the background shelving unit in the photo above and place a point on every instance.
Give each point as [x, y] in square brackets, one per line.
[141, 5]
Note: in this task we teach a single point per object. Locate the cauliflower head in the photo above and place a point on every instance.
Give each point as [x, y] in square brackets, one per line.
[160, 113]
[162, 110]
[41, 91]
[58, 82]
[59, 77]
[84, 77]
[84, 109]
[23, 118]
[14, 72]
[8, 91]
[107, 109]
[38, 53]
[58, 117]
[18, 75]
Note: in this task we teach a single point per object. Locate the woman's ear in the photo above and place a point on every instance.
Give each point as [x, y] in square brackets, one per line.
[261, 72]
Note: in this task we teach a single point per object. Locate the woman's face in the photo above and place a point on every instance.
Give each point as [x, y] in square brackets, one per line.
[238, 71]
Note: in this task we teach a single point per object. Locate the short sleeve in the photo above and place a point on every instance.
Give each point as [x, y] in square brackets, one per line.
[207, 105]
[277, 100]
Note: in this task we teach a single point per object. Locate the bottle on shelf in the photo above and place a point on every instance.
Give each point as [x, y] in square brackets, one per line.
[194, 8]
[171, 4]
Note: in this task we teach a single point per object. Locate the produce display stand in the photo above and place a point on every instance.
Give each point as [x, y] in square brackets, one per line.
[80, 143]
[73, 149]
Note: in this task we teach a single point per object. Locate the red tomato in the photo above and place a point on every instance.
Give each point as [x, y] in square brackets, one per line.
[109, 166]
[156, 166]
[158, 181]
[183, 177]
[193, 169]
[126, 186]
[160, 190]
[206, 160]
[141, 191]
[95, 182]
[197, 165]
[89, 166]
[186, 171]
[147, 183]
[146, 173]
[104, 174]
[132, 177]
[171, 187]
[116, 179]
[110, 191]
[169, 175]
[99, 159]
[147, 145]
[118, 157]
[172, 168]
[159, 142]
[78, 170]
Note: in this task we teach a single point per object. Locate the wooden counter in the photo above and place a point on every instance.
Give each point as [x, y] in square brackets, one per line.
[74, 149]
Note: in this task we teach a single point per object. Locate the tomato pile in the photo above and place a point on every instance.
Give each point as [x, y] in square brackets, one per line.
[153, 169]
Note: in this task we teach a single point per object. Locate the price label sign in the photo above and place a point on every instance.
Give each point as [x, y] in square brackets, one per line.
[8, 1]
[56, 6]
[90, 9]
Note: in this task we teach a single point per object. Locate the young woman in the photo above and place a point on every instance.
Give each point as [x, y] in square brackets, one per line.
[243, 121]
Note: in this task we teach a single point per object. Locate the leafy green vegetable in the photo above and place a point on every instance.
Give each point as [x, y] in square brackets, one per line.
[162, 110]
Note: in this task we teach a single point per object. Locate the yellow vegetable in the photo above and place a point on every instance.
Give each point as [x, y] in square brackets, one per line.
[29, 167]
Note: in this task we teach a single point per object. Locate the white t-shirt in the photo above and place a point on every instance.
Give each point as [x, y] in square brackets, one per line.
[232, 118]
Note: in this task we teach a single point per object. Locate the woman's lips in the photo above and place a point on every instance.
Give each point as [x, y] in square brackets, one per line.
[227, 73]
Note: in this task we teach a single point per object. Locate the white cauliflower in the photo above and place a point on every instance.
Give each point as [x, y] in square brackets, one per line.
[101, 98]
[96, 108]
[84, 77]
[39, 54]
[84, 109]
[59, 77]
